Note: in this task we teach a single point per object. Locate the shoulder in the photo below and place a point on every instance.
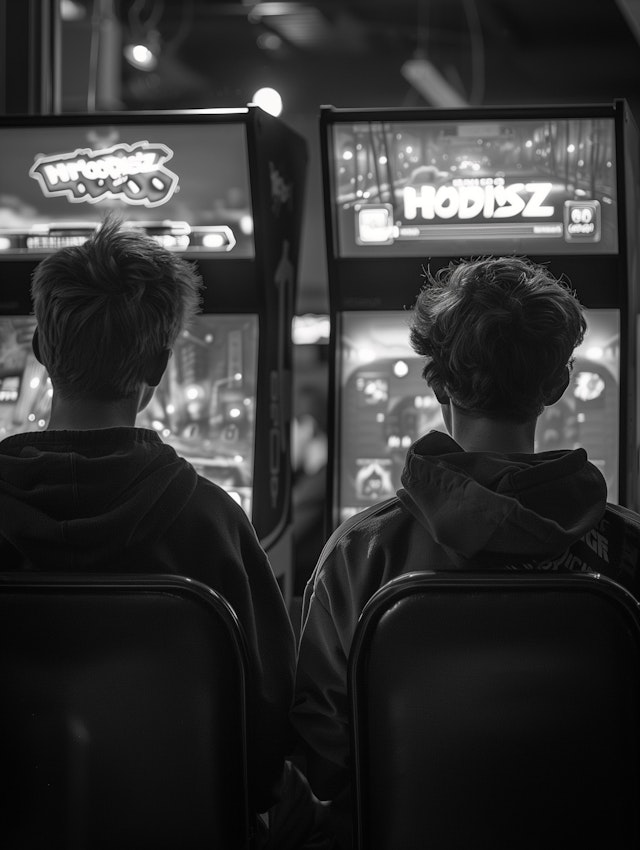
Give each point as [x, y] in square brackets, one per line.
[211, 504]
[367, 550]
[204, 500]
[615, 546]
[371, 524]
[610, 547]
[207, 492]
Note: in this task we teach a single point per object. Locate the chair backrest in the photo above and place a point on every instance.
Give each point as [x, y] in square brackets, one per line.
[122, 715]
[496, 711]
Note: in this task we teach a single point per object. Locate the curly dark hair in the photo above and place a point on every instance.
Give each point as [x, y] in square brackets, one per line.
[498, 334]
[104, 307]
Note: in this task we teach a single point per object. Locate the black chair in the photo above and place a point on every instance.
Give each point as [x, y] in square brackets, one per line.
[122, 715]
[496, 711]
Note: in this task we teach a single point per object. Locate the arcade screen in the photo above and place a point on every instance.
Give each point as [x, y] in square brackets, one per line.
[187, 185]
[204, 407]
[385, 405]
[437, 188]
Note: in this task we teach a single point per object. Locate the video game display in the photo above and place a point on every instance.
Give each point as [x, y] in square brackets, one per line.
[187, 185]
[385, 404]
[446, 188]
[204, 407]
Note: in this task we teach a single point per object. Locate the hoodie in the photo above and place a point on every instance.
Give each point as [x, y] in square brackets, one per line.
[498, 509]
[456, 510]
[121, 500]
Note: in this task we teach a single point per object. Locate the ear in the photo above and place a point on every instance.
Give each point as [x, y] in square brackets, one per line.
[35, 345]
[556, 393]
[442, 397]
[156, 366]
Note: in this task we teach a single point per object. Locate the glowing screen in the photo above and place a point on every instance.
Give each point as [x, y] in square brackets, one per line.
[385, 404]
[204, 407]
[435, 188]
[185, 185]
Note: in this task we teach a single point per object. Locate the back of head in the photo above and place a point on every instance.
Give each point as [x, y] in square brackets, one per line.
[498, 334]
[105, 308]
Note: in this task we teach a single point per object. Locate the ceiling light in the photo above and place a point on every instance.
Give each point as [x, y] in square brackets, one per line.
[269, 100]
[143, 54]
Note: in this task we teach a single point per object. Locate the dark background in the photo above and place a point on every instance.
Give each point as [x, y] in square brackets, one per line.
[348, 54]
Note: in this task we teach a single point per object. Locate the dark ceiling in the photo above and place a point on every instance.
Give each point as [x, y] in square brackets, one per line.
[351, 53]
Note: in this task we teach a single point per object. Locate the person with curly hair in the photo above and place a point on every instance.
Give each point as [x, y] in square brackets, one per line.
[497, 335]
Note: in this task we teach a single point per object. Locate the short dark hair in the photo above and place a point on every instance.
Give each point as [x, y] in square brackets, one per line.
[498, 334]
[104, 307]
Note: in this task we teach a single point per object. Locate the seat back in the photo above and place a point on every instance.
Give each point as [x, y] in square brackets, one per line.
[496, 711]
[122, 715]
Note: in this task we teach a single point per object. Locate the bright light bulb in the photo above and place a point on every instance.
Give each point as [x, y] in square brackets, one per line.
[269, 100]
[144, 54]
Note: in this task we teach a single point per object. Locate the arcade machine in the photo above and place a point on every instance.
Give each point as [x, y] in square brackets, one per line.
[222, 187]
[407, 190]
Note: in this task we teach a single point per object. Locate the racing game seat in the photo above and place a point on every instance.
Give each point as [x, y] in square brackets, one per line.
[496, 711]
[122, 715]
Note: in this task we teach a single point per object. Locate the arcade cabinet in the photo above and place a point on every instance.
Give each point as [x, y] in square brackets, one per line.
[225, 189]
[407, 190]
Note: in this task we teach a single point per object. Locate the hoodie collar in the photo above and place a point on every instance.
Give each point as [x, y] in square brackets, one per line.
[85, 497]
[514, 507]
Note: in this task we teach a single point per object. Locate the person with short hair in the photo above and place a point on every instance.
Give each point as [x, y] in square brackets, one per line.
[497, 335]
[498, 338]
[94, 493]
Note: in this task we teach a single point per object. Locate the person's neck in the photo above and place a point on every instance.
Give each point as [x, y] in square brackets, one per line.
[481, 434]
[91, 414]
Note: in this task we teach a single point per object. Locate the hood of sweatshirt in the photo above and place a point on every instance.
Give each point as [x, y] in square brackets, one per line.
[498, 508]
[83, 497]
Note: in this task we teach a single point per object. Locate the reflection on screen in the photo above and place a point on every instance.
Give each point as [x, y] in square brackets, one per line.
[204, 407]
[385, 405]
[439, 188]
[185, 185]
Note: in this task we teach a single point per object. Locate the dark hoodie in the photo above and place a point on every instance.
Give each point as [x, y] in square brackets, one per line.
[457, 510]
[120, 500]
